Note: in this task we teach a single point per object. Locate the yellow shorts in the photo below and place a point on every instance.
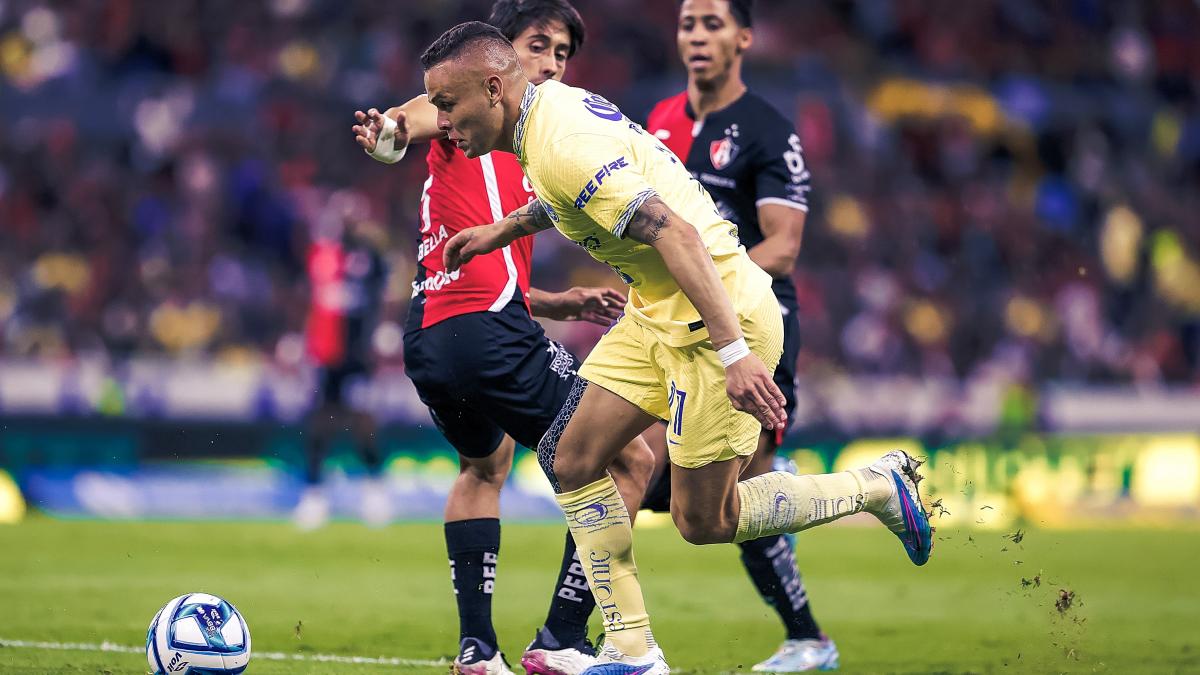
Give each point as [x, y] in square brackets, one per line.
[685, 386]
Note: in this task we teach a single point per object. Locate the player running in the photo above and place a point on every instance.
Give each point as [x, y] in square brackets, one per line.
[696, 346]
[748, 157]
[480, 363]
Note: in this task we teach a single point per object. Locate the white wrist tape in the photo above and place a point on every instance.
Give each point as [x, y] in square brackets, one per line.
[385, 145]
[733, 352]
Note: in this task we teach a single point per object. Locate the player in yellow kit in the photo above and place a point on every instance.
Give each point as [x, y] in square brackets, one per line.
[696, 347]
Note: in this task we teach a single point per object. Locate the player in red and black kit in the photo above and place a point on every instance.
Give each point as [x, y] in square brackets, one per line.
[482, 365]
[346, 275]
[747, 155]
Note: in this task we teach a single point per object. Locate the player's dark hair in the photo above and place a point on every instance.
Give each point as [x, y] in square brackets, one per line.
[742, 11]
[454, 41]
[514, 16]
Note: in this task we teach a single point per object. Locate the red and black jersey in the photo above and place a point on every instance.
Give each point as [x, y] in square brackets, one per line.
[746, 155]
[346, 280]
[461, 193]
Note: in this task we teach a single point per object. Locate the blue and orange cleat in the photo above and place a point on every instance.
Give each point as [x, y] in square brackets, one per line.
[904, 514]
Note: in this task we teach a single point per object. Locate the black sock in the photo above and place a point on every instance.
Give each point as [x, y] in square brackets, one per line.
[314, 454]
[772, 568]
[372, 458]
[366, 437]
[572, 603]
[474, 546]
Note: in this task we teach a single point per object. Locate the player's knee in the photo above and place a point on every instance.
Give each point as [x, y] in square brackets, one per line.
[570, 472]
[636, 462]
[576, 464]
[642, 463]
[485, 471]
[702, 528]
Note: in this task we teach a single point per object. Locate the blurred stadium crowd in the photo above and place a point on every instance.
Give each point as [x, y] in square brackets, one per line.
[999, 185]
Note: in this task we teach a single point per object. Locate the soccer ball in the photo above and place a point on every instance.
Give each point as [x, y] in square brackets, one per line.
[198, 634]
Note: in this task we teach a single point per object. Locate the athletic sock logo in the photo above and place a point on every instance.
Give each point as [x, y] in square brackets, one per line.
[574, 581]
[489, 572]
[602, 589]
[783, 561]
[823, 509]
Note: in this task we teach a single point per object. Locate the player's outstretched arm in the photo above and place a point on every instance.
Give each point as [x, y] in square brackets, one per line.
[386, 136]
[527, 220]
[600, 306]
[747, 380]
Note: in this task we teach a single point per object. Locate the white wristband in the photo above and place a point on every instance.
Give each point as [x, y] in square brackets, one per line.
[385, 145]
[733, 352]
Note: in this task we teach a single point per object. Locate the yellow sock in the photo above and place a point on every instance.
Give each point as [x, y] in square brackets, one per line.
[781, 503]
[603, 535]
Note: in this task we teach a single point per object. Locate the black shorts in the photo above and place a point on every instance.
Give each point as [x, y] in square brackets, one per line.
[486, 374]
[333, 382]
[785, 373]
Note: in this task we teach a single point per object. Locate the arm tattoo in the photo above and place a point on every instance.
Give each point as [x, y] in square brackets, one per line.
[529, 219]
[649, 221]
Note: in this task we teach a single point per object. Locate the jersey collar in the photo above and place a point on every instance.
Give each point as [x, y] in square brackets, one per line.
[519, 133]
[687, 105]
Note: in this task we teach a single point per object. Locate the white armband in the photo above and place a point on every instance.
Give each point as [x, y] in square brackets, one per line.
[733, 352]
[385, 145]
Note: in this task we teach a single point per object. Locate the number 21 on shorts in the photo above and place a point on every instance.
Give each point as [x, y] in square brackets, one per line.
[675, 401]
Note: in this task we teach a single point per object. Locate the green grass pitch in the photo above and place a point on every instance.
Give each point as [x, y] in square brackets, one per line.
[353, 591]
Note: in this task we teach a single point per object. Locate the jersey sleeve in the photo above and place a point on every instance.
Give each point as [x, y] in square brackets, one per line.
[655, 119]
[597, 175]
[781, 176]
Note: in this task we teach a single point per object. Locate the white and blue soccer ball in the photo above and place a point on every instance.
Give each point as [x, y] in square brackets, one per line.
[198, 634]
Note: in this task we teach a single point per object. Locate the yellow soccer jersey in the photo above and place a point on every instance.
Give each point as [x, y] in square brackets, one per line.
[592, 168]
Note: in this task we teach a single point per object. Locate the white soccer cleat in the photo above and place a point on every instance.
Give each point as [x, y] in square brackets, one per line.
[546, 656]
[904, 514]
[610, 661]
[476, 658]
[800, 656]
[376, 503]
[312, 512]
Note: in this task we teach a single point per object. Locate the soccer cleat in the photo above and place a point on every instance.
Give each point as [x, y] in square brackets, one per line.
[546, 656]
[904, 514]
[799, 656]
[610, 661]
[476, 657]
[312, 512]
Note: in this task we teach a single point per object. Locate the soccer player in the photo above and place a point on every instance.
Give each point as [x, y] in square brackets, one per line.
[346, 274]
[696, 346]
[748, 157]
[480, 363]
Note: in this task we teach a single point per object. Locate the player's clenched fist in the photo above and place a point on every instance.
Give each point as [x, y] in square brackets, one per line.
[752, 390]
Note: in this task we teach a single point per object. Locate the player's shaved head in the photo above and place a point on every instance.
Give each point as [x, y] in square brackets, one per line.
[474, 78]
[473, 41]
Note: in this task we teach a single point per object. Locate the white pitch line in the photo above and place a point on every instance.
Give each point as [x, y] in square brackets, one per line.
[270, 656]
